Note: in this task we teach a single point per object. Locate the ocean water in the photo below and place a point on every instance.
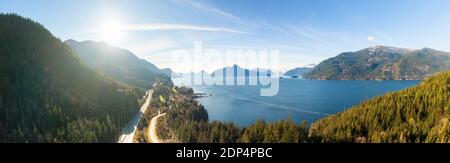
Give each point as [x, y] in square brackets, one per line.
[297, 98]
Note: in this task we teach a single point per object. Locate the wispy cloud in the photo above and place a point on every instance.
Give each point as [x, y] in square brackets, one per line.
[217, 11]
[153, 45]
[157, 27]
[276, 28]
[211, 9]
[163, 26]
[306, 32]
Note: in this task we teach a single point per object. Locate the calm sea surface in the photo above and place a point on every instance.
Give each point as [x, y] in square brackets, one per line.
[300, 99]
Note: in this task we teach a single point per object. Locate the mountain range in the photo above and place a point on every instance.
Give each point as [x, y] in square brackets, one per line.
[229, 71]
[237, 71]
[119, 64]
[382, 63]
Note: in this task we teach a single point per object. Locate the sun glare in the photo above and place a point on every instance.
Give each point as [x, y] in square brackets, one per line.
[111, 31]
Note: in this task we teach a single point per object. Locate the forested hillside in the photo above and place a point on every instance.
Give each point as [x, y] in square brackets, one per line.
[48, 95]
[418, 114]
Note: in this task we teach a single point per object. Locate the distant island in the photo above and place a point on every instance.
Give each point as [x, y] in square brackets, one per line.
[226, 72]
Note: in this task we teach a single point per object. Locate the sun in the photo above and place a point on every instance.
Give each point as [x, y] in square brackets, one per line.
[111, 31]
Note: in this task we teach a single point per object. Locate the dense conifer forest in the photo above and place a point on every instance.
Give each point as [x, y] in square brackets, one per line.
[417, 114]
[48, 95]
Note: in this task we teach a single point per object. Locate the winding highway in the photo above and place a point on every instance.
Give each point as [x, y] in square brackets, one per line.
[129, 131]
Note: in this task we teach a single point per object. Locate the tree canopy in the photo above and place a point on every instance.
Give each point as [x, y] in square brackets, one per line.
[48, 95]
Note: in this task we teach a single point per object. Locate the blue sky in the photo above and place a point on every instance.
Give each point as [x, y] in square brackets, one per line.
[305, 31]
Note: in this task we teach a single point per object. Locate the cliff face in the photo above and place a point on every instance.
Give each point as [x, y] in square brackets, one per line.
[382, 63]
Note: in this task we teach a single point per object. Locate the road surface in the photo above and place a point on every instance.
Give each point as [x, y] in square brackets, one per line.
[152, 129]
[129, 131]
